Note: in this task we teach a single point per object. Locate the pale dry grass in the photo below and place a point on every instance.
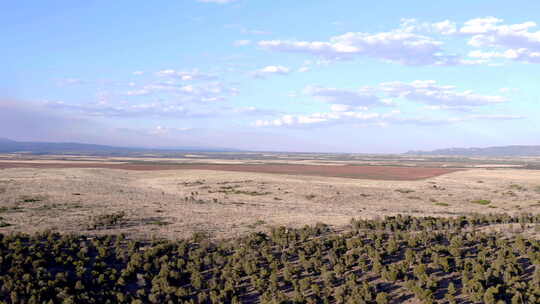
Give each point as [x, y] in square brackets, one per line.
[175, 204]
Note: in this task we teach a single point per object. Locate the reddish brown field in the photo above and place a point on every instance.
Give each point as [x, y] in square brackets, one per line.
[359, 172]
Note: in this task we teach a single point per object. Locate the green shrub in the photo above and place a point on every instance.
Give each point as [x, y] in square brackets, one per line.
[404, 191]
[442, 204]
[481, 202]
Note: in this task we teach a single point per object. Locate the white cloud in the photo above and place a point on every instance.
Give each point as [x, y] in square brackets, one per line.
[524, 55]
[250, 110]
[271, 70]
[69, 82]
[303, 69]
[445, 27]
[417, 43]
[400, 46]
[149, 109]
[186, 75]
[138, 73]
[362, 97]
[436, 96]
[141, 92]
[340, 108]
[428, 91]
[374, 119]
[242, 42]
[513, 42]
[160, 130]
[183, 87]
[351, 106]
[317, 119]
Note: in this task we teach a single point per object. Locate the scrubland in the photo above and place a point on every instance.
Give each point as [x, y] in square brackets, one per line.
[98, 235]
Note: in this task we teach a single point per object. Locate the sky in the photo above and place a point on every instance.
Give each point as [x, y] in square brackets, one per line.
[310, 76]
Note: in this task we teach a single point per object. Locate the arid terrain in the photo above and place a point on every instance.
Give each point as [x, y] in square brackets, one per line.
[253, 228]
[228, 197]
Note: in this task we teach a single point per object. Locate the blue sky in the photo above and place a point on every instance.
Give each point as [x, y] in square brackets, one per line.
[332, 76]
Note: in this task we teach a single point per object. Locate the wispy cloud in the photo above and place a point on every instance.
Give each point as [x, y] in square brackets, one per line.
[430, 92]
[217, 1]
[242, 42]
[187, 75]
[360, 106]
[361, 97]
[489, 36]
[398, 46]
[64, 82]
[271, 70]
[394, 117]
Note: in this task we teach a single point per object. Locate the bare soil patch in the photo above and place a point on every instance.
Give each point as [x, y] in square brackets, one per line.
[348, 171]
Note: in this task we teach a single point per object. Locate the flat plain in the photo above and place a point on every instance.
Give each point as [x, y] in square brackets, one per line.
[228, 195]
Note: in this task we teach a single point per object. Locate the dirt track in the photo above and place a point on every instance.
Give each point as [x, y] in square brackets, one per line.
[359, 172]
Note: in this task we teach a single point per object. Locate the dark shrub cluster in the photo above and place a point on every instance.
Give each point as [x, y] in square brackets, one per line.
[390, 260]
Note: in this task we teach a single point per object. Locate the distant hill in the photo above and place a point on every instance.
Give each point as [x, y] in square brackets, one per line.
[5, 140]
[489, 151]
[11, 146]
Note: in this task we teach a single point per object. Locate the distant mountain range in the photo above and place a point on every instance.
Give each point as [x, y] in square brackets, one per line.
[489, 151]
[11, 146]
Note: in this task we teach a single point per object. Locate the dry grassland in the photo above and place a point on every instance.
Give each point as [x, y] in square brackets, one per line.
[177, 203]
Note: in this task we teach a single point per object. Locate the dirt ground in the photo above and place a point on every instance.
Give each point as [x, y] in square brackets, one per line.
[177, 203]
[349, 171]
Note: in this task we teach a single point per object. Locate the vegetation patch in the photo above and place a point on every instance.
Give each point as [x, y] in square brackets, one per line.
[389, 260]
[106, 221]
[518, 187]
[31, 198]
[54, 206]
[200, 236]
[159, 223]
[3, 223]
[256, 224]
[404, 191]
[11, 209]
[481, 202]
[236, 182]
[442, 204]
[510, 193]
[192, 184]
[233, 189]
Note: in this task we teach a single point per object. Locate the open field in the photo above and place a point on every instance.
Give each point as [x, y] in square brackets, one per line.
[226, 200]
[349, 171]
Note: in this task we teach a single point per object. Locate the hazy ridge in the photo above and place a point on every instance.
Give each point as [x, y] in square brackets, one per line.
[11, 146]
[489, 151]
